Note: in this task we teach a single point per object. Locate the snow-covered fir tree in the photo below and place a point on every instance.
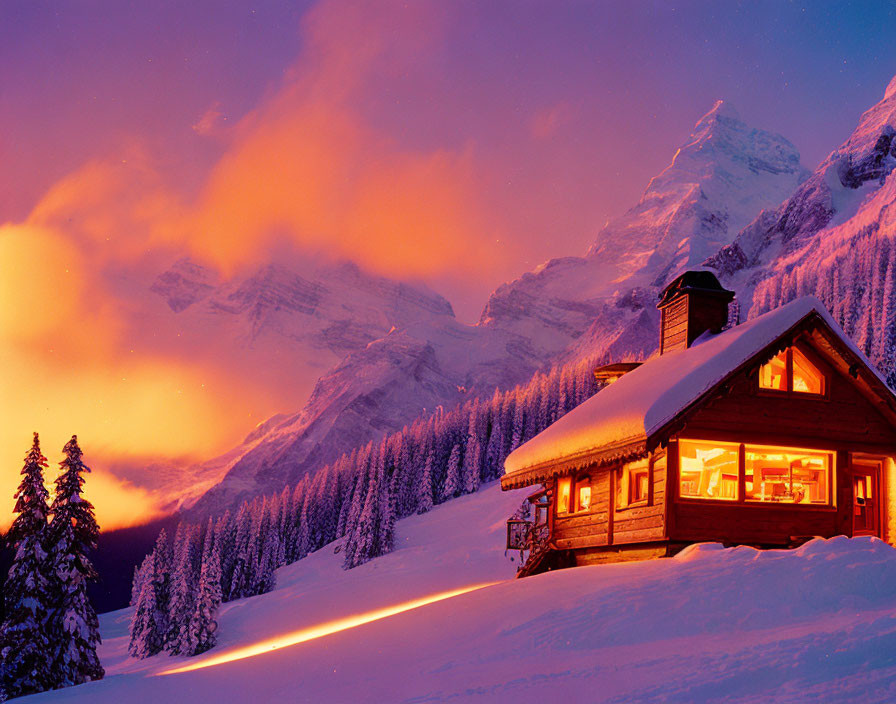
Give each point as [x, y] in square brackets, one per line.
[73, 535]
[183, 592]
[208, 599]
[146, 639]
[27, 648]
[424, 493]
[453, 481]
[150, 623]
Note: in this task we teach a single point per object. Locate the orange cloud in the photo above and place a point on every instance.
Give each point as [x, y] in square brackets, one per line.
[306, 167]
[65, 371]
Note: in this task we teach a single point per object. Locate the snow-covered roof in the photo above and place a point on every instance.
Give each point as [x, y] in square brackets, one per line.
[643, 401]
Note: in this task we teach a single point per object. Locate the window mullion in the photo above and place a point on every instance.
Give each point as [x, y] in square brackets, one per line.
[789, 366]
[742, 473]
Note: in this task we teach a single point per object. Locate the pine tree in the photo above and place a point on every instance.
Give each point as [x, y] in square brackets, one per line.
[208, 599]
[161, 583]
[26, 647]
[183, 594]
[73, 534]
[146, 640]
[472, 466]
[424, 493]
[453, 482]
[364, 542]
[239, 578]
[386, 537]
[142, 573]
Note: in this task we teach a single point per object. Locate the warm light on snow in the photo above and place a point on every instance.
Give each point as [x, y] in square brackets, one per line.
[324, 629]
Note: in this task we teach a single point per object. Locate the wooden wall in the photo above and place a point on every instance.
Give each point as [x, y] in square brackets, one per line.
[640, 524]
[590, 528]
[607, 523]
[746, 414]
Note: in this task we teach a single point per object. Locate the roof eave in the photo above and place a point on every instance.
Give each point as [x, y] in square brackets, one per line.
[538, 474]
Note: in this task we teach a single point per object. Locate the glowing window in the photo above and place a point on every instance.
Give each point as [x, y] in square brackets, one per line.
[807, 379]
[708, 470]
[791, 370]
[633, 483]
[638, 485]
[563, 487]
[787, 475]
[584, 498]
[774, 374]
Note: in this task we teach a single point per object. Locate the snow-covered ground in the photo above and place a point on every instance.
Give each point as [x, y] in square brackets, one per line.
[815, 624]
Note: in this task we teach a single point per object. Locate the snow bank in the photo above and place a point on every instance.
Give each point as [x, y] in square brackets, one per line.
[739, 625]
[645, 399]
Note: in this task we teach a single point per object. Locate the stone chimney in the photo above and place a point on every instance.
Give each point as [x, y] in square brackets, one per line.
[692, 304]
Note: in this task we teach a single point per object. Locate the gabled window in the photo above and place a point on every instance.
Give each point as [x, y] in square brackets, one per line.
[792, 371]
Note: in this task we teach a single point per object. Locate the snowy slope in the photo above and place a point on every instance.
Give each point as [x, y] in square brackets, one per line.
[736, 625]
[567, 309]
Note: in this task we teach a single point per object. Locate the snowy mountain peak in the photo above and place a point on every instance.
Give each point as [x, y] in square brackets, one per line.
[722, 175]
[891, 89]
[721, 109]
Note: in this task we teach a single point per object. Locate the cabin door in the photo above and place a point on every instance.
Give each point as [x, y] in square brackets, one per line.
[866, 498]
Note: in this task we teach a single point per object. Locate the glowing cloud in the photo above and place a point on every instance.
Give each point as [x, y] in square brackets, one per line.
[306, 169]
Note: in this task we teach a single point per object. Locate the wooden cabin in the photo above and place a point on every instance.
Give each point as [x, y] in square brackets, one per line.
[767, 434]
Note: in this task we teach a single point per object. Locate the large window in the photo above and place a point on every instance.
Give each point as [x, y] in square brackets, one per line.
[787, 475]
[792, 370]
[713, 470]
[708, 470]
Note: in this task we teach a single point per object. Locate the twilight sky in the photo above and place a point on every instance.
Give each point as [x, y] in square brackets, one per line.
[455, 143]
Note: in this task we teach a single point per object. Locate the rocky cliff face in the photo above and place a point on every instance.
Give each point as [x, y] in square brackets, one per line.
[314, 317]
[828, 198]
[566, 309]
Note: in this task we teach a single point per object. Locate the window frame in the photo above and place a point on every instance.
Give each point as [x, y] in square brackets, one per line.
[579, 484]
[788, 372]
[623, 478]
[569, 505]
[575, 483]
[741, 500]
[736, 447]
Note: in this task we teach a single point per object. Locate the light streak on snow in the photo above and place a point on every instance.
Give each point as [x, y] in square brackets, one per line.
[321, 630]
